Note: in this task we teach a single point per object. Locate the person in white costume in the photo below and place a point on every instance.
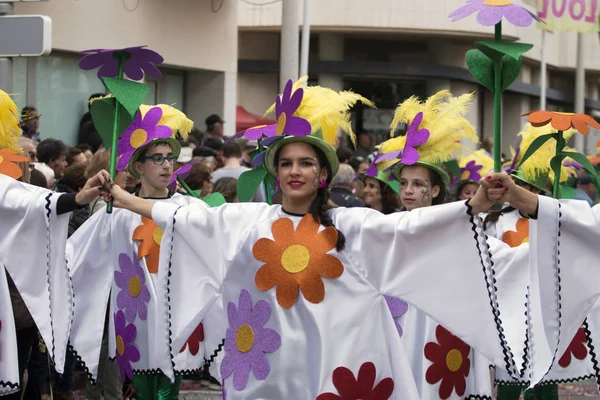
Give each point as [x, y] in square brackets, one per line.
[306, 315]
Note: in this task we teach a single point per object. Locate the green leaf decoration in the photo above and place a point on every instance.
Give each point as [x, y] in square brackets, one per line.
[214, 199]
[249, 182]
[585, 163]
[535, 145]
[496, 49]
[453, 167]
[103, 115]
[270, 188]
[254, 153]
[129, 93]
[556, 163]
[567, 192]
[482, 68]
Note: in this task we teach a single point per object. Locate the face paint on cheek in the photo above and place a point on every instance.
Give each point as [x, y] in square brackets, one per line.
[425, 193]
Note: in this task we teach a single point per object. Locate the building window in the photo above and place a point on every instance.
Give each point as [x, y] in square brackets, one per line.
[174, 90]
[20, 81]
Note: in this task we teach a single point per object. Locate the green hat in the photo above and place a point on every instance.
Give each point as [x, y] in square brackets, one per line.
[313, 140]
[540, 182]
[383, 177]
[435, 168]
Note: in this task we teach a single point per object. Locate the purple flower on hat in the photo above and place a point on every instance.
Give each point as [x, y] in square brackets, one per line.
[287, 124]
[134, 295]
[397, 308]
[138, 60]
[381, 157]
[414, 137]
[141, 132]
[491, 12]
[472, 168]
[126, 351]
[247, 341]
[182, 173]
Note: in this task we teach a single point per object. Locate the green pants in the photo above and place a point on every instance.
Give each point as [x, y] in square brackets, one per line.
[150, 387]
[540, 392]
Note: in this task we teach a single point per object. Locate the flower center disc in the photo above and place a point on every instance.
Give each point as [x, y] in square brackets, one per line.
[295, 258]
[157, 235]
[454, 360]
[497, 3]
[135, 286]
[281, 124]
[120, 346]
[244, 338]
[138, 138]
[1, 159]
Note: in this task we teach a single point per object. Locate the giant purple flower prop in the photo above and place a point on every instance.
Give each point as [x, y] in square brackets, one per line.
[182, 173]
[491, 12]
[397, 308]
[138, 60]
[247, 341]
[141, 132]
[126, 351]
[134, 294]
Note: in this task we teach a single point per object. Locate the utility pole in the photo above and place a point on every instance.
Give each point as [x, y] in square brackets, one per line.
[290, 40]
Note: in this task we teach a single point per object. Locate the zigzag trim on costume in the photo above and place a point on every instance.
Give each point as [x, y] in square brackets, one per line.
[214, 355]
[526, 343]
[545, 382]
[82, 364]
[169, 290]
[490, 281]
[9, 385]
[478, 397]
[592, 351]
[48, 267]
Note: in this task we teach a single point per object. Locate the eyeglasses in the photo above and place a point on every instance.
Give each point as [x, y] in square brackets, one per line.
[159, 159]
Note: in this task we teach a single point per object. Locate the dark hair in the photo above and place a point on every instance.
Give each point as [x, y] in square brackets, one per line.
[227, 187]
[460, 187]
[494, 216]
[355, 162]
[51, 149]
[436, 180]
[202, 151]
[199, 174]
[147, 147]
[72, 153]
[85, 147]
[320, 205]
[74, 177]
[390, 203]
[232, 149]
[344, 154]
[213, 143]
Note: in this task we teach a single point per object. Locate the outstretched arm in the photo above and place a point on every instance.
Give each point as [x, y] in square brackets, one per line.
[122, 199]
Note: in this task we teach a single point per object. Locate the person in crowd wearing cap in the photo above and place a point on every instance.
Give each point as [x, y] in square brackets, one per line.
[131, 246]
[30, 122]
[35, 223]
[217, 145]
[214, 126]
[87, 130]
[303, 284]
[341, 188]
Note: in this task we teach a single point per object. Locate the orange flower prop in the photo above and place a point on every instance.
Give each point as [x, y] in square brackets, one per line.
[150, 236]
[563, 121]
[518, 237]
[7, 163]
[297, 259]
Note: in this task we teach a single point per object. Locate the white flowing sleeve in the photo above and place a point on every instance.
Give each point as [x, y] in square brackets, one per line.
[9, 361]
[32, 251]
[198, 245]
[90, 255]
[436, 258]
[564, 275]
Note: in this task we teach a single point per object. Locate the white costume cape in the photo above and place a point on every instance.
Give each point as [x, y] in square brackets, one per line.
[32, 250]
[99, 252]
[305, 342]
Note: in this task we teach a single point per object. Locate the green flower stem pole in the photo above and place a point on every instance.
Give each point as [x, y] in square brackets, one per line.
[498, 104]
[560, 145]
[261, 148]
[187, 188]
[115, 136]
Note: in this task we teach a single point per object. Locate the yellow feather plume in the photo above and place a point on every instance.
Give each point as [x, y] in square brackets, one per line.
[539, 162]
[481, 158]
[444, 117]
[9, 123]
[327, 111]
[173, 118]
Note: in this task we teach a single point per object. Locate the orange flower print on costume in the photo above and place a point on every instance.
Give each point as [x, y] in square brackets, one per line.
[518, 237]
[451, 364]
[297, 259]
[7, 163]
[150, 236]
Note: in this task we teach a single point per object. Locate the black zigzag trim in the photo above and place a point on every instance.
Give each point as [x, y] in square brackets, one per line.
[592, 350]
[12, 386]
[187, 372]
[169, 289]
[478, 397]
[545, 382]
[48, 267]
[148, 371]
[525, 362]
[214, 355]
[82, 364]
[489, 275]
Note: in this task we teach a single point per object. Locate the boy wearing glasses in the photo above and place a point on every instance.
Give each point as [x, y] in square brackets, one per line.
[114, 260]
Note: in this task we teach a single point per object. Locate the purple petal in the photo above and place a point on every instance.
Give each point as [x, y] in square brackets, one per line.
[121, 279]
[129, 333]
[245, 304]
[258, 132]
[259, 159]
[150, 69]
[372, 171]
[490, 15]
[294, 102]
[123, 161]
[270, 140]
[466, 10]
[391, 156]
[296, 126]
[132, 353]
[230, 342]
[123, 299]
[241, 374]
[409, 156]
[133, 71]
[417, 138]
[150, 120]
[267, 340]
[161, 131]
[286, 95]
[227, 366]
[130, 310]
[260, 314]
[397, 306]
[119, 321]
[125, 369]
[260, 367]
[142, 311]
[235, 320]
[236, 136]
[518, 16]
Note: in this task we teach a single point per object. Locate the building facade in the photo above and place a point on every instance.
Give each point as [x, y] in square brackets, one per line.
[197, 38]
[389, 50]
